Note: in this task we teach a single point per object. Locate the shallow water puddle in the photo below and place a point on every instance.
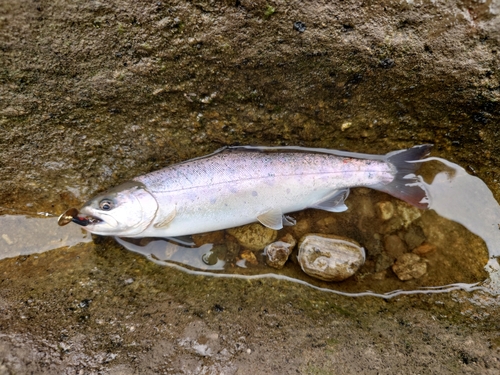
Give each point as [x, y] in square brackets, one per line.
[23, 235]
[455, 257]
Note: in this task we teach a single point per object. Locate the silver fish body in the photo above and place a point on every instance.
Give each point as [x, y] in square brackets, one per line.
[241, 185]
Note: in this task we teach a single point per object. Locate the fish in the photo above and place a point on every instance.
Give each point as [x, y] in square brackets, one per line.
[244, 184]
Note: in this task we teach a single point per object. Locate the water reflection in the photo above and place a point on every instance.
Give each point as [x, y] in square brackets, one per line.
[458, 196]
[24, 235]
[201, 258]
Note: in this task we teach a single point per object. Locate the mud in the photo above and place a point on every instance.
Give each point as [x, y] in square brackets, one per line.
[94, 93]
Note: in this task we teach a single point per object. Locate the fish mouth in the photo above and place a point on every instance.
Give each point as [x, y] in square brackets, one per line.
[72, 215]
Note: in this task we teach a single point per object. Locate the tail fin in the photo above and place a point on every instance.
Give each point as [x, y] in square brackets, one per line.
[406, 184]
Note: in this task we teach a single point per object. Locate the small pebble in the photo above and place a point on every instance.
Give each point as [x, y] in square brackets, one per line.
[249, 257]
[409, 266]
[382, 262]
[394, 246]
[385, 210]
[407, 213]
[414, 237]
[301, 227]
[425, 249]
[299, 26]
[277, 253]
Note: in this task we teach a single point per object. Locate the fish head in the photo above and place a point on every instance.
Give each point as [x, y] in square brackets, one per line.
[126, 210]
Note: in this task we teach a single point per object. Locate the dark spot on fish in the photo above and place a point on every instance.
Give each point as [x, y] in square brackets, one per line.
[254, 193]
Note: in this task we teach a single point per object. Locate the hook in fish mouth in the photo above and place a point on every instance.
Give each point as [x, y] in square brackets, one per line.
[71, 215]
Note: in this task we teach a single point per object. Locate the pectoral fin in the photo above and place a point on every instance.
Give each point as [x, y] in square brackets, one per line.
[165, 219]
[333, 202]
[272, 219]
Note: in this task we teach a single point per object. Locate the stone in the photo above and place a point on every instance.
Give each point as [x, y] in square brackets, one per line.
[277, 253]
[385, 210]
[382, 262]
[403, 216]
[210, 237]
[407, 213]
[409, 266]
[249, 257]
[414, 237]
[394, 246]
[330, 258]
[253, 236]
[301, 227]
[327, 224]
[425, 249]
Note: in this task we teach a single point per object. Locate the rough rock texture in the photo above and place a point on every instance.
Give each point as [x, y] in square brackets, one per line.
[95, 92]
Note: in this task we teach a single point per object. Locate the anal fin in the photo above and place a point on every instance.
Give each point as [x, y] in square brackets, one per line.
[272, 218]
[333, 202]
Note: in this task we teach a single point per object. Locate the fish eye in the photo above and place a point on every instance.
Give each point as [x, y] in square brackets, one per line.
[106, 205]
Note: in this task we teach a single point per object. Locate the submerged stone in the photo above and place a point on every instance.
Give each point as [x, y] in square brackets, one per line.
[277, 253]
[425, 249]
[394, 246]
[409, 266]
[330, 258]
[249, 257]
[385, 210]
[253, 236]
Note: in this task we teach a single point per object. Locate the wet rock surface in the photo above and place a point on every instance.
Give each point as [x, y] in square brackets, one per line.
[95, 93]
[329, 258]
[116, 312]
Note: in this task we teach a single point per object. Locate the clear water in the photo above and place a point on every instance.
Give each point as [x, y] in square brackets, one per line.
[25, 235]
[461, 204]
